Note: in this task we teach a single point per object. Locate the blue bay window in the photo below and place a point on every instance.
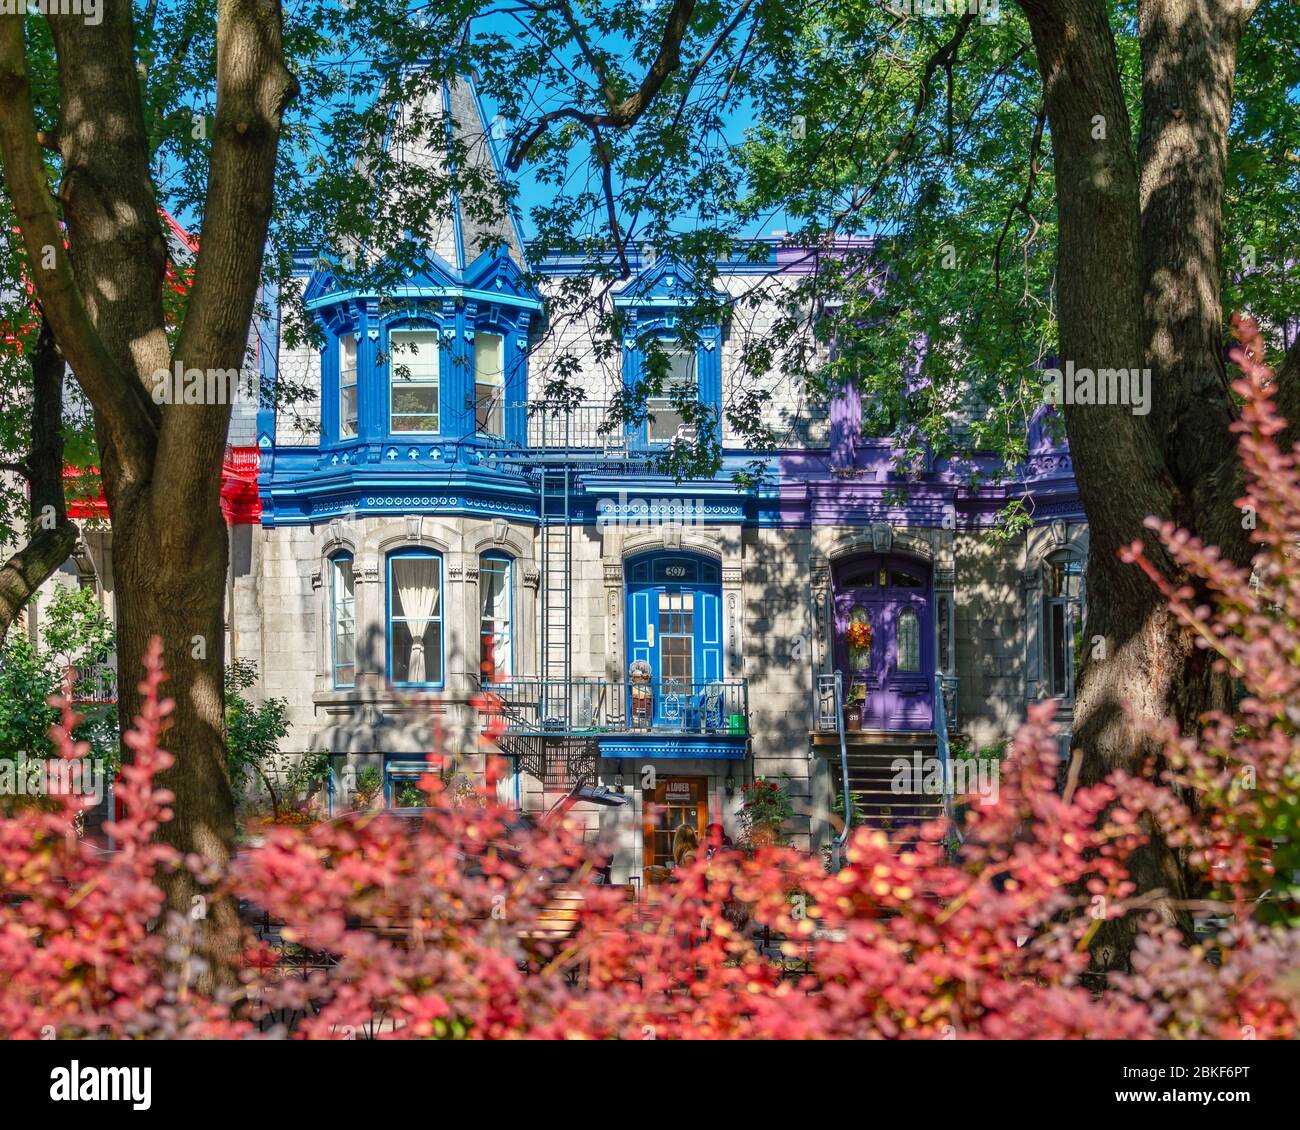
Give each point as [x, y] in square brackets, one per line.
[415, 618]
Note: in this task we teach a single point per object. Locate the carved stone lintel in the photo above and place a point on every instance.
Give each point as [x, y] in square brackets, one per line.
[882, 537]
[672, 537]
[614, 575]
[732, 574]
[532, 576]
[366, 574]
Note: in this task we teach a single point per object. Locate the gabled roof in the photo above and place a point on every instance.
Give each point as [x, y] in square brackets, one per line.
[662, 284]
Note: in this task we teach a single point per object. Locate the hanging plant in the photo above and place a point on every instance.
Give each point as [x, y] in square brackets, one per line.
[858, 635]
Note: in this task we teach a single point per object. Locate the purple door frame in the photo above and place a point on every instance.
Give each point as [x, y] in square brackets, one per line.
[897, 699]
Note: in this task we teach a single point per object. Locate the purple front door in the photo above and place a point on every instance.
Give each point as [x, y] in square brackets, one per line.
[891, 596]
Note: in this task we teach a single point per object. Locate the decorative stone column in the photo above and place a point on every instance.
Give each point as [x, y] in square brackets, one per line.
[613, 576]
[823, 661]
[732, 619]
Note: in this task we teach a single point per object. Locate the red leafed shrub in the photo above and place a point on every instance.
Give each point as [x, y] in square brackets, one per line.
[442, 930]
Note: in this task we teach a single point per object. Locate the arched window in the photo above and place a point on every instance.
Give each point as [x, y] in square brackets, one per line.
[343, 634]
[1062, 621]
[413, 381]
[415, 618]
[909, 641]
[347, 386]
[496, 640]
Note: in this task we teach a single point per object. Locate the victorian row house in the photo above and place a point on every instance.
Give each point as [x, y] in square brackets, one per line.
[432, 532]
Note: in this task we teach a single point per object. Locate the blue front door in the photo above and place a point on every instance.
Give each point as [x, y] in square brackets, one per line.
[674, 619]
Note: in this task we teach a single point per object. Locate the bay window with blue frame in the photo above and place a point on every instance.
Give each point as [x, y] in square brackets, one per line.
[415, 619]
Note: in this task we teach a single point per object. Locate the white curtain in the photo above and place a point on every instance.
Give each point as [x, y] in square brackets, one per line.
[417, 588]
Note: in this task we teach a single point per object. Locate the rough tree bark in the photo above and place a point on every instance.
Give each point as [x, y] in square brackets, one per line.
[53, 536]
[1139, 258]
[161, 466]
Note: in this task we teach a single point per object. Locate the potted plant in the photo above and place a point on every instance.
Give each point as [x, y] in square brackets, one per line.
[853, 705]
[762, 816]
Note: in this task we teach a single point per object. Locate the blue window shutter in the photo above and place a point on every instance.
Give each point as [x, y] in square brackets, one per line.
[709, 366]
[638, 625]
[708, 636]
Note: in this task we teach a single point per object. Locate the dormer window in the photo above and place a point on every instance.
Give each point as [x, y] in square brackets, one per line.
[489, 384]
[347, 386]
[663, 421]
[413, 381]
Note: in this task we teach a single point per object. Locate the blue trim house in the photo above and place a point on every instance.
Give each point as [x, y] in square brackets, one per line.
[438, 533]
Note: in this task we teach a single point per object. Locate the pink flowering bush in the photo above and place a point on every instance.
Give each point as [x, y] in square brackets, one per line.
[445, 930]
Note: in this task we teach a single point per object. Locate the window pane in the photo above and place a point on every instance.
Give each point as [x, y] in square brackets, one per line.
[494, 617]
[344, 622]
[347, 386]
[348, 411]
[663, 422]
[909, 641]
[415, 628]
[413, 381]
[489, 384]
[902, 580]
[859, 657]
[417, 651]
[1058, 641]
[858, 577]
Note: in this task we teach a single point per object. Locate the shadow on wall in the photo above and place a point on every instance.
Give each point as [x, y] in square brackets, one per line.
[381, 721]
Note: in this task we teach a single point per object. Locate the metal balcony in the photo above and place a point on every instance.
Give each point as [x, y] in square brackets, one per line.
[593, 707]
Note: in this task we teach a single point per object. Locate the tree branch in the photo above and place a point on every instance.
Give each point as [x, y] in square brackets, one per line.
[53, 536]
[103, 378]
[621, 113]
[254, 86]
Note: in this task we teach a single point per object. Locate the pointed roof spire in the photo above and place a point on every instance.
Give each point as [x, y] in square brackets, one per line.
[446, 122]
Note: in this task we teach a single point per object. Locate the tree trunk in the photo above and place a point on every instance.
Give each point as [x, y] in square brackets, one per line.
[1139, 262]
[102, 292]
[53, 537]
[181, 601]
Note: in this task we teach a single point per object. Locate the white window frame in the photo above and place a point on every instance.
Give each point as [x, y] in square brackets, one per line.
[425, 372]
[496, 382]
[348, 380]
